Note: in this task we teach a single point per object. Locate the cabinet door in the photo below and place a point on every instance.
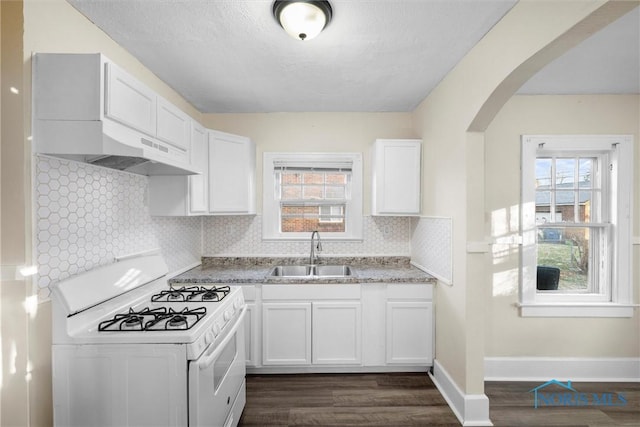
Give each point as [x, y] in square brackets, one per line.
[174, 126]
[409, 332]
[286, 333]
[128, 101]
[396, 177]
[232, 166]
[337, 333]
[198, 196]
[250, 335]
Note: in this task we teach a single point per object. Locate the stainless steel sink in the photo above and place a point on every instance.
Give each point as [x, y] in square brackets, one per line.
[292, 271]
[311, 271]
[332, 270]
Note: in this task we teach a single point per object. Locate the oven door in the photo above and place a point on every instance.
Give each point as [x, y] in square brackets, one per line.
[216, 379]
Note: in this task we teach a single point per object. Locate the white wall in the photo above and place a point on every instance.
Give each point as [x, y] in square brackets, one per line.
[508, 334]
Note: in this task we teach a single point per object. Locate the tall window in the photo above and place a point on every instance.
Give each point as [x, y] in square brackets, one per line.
[304, 192]
[576, 201]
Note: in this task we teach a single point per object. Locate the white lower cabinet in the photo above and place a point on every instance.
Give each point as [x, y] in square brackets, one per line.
[336, 333]
[306, 333]
[286, 333]
[348, 327]
[409, 332]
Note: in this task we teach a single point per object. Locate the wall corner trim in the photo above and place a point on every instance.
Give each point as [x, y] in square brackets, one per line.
[601, 369]
[470, 409]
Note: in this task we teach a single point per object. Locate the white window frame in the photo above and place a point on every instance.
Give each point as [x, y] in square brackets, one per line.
[271, 204]
[615, 300]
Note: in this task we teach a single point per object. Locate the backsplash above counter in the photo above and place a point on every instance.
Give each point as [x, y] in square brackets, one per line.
[241, 236]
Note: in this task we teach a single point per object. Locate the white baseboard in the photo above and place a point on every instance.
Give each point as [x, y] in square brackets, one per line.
[470, 409]
[610, 369]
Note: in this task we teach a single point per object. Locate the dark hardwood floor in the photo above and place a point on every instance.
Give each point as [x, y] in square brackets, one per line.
[411, 399]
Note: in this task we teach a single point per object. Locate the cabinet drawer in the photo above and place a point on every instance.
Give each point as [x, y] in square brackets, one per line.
[310, 292]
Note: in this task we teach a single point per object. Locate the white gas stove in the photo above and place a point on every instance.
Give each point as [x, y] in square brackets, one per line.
[128, 350]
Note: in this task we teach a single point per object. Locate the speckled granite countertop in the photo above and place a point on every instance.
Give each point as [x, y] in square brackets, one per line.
[232, 270]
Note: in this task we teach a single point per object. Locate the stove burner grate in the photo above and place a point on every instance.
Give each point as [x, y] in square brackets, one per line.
[157, 319]
[192, 294]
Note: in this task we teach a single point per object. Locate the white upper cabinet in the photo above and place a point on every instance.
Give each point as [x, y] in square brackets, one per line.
[396, 177]
[89, 109]
[225, 187]
[128, 101]
[183, 195]
[198, 184]
[174, 126]
[232, 165]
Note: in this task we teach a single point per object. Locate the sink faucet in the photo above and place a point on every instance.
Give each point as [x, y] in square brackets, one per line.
[318, 247]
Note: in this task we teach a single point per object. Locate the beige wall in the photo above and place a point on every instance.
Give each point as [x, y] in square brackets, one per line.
[451, 121]
[14, 229]
[36, 26]
[315, 132]
[508, 334]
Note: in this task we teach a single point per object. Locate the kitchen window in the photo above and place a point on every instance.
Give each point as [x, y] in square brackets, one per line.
[576, 226]
[304, 192]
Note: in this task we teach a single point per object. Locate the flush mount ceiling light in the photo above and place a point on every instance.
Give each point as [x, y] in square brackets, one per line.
[302, 20]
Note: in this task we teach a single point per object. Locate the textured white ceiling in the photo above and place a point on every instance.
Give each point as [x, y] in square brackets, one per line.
[376, 55]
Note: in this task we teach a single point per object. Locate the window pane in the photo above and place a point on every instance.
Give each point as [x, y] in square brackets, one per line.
[313, 177]
[543, 207]
[543, 173]
[291, 178]
[295, 219]
[335, 192]
[337, 178]
[585, 203]
[313, 192]
[565, 204]
[565, 171]
[567, 252]
[291, 192]
[585, 172]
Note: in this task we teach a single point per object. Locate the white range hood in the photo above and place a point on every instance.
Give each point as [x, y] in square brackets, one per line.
[88, 109]
[109, 144]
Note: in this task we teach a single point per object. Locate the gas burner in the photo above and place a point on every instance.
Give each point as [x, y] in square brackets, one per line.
[213, 294]
[182, 320]
[192, 294]
[157, 319]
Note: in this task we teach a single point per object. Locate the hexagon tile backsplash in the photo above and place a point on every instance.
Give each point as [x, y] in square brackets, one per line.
[242, 236]
[87, 215]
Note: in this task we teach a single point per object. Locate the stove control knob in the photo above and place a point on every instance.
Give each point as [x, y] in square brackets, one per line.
[216, 329]
[227, 315]
[209, 337]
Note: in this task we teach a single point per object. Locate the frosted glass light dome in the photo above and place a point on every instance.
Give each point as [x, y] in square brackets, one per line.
[302, 20]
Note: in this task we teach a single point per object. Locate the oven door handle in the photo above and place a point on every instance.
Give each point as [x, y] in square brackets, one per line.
[207, 360]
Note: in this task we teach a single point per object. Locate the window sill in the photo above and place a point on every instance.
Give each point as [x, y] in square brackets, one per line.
[577, 310]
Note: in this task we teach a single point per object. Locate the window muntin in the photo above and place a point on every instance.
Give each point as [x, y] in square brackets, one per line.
[312, 198]
[569, 232]
[304, 192]
[575, 217]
